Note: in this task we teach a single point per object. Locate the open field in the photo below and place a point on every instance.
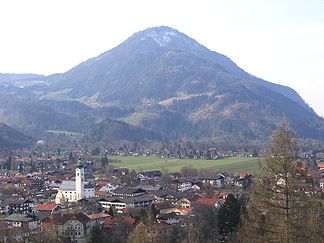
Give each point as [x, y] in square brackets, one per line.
[142, 163]
[137, 117]
[64, 133]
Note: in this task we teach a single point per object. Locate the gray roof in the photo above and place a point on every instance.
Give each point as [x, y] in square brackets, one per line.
[19, 217]
[127, 199]
[67, 185]
[88, 185]
[70, 185]
[127, 191]
[149, 187]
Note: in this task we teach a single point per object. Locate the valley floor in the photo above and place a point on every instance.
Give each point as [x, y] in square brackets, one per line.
[146, 163]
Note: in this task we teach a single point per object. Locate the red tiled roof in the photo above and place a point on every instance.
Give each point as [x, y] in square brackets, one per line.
[128, 210]
[100, 193]
[110, 221]
[165, 205]
[184, 211]
[207, 201]
[98, 215]
[24, 181]
[46, 207]
[101, 183]
[243, 174]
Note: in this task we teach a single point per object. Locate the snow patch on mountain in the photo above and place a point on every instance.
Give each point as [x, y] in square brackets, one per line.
[162, 39]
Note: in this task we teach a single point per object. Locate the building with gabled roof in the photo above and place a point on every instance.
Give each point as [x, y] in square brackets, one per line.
[212, 202]
[75, 226]
[111, 222]
[47, 208]
[26, 221]
[120, 203]
[128, 191]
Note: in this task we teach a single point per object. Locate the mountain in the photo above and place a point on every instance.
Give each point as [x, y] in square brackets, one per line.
[160, 59]
[12, 139]
[182, 90]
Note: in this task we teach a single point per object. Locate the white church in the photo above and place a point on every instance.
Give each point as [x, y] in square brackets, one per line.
[73, 191]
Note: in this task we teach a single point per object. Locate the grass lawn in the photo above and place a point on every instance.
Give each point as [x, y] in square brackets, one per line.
[142, 163]
[64, 133]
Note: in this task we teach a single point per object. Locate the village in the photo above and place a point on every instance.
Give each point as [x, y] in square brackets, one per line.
[61, 191]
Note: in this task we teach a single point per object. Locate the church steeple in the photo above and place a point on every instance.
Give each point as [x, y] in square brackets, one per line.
[79, 182]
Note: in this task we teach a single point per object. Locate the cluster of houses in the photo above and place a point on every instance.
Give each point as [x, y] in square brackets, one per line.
[73, 202]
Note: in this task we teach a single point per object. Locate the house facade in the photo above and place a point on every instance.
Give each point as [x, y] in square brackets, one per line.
[74, 227]
[120, 203]
[28, 222]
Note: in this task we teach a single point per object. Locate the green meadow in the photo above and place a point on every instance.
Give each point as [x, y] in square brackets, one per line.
[143, 163]
[64, 133]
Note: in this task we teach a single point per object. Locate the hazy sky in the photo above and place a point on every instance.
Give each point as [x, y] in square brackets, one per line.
[281, 41]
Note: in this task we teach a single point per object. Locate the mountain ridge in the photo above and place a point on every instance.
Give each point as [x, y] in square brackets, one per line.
[164, 81]
[197, 50]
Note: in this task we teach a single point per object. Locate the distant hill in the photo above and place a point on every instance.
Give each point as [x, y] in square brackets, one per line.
[18, 77]
[12, 139]
[116, 132]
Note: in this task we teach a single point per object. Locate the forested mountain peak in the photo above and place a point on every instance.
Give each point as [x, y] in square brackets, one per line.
[167, 82]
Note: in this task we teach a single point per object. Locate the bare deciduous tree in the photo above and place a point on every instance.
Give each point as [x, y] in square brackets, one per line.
[283, 205]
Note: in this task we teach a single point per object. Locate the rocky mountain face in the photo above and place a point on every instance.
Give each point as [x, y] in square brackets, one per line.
[164, 81]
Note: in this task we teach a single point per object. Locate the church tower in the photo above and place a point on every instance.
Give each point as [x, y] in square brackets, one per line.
[79, 182]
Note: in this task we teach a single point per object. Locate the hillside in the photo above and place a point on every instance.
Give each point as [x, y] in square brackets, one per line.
[116, 132]
[12, 139]
[159, 83]
[182, 90]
